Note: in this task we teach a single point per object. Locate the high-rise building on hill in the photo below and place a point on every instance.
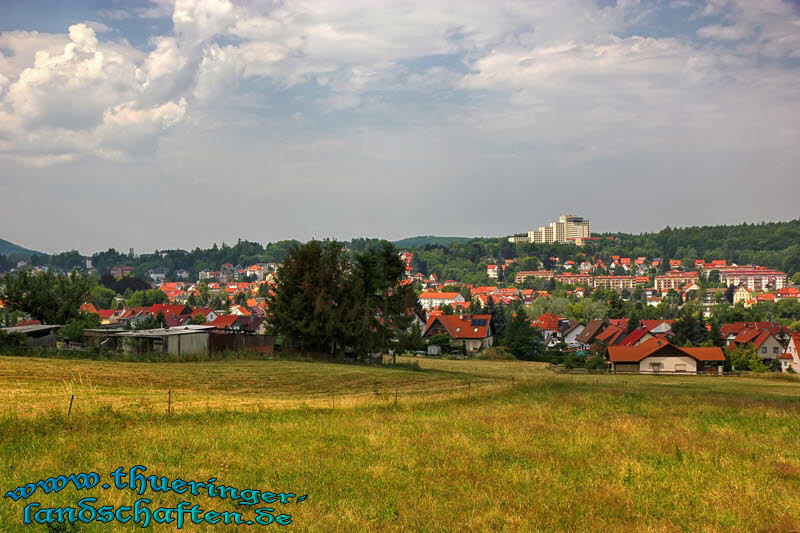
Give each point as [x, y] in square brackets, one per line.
[568, 229]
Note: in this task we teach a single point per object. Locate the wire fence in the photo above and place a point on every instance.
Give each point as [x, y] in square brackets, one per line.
[75, 398]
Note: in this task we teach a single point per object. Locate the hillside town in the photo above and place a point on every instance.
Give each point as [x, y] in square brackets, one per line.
[613, 307]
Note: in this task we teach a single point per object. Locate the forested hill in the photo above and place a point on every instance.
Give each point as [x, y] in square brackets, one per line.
[775, 244]
[412, 242]
[9, 248]
[758, 236]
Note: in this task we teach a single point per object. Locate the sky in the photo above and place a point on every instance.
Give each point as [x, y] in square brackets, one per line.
[164, 124]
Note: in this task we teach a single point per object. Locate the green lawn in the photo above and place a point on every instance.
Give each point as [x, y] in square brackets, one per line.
[583, 453]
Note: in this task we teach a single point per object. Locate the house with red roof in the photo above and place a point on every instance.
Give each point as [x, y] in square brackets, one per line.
[729, 331]
[106, 315]
[787, 292]
[790, 360]
[248, 324]
[171, 309]
[547, 322]
[767, 344]
[659, 356]
[640, 335]
[610, 335]
[208, 313]
[473, 332]
[593, 328]
[88, 308]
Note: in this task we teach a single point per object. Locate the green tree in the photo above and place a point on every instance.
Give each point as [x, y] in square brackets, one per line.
[689, 329]
[73, 329]
[101, 297]
[45, 296]
[147, 298]
[217, 302]
[324, 302]
[240, 298]
[523, 340]
[745, 357]
[633, 321]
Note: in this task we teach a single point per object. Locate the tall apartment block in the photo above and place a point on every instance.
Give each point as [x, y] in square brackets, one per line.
[569, 228]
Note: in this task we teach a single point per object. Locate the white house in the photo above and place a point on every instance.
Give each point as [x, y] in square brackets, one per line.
[791, 359]
[431, 300]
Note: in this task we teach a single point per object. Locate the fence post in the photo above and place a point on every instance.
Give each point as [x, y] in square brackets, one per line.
[512, 382]
[169, 402]
[70, 405]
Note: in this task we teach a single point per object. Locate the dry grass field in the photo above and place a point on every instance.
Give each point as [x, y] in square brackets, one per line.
[555, 453]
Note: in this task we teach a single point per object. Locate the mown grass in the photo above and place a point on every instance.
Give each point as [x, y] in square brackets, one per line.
[34, 385]
[554, 453]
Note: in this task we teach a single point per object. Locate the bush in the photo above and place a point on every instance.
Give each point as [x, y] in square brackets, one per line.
[12, 343]
[779, 376]
[495, 353]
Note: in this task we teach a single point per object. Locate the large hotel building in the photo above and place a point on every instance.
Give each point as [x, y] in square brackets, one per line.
[569, 228]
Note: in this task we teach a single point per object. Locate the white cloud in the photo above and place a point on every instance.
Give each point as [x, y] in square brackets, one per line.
[84, 100]
[724, 33]
[769, 28]
[570, 69]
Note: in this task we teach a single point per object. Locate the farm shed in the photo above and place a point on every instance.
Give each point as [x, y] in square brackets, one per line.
[180, 341]
[37, 334]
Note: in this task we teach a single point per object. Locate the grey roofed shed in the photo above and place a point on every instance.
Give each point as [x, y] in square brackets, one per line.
[180, 341]
[36, 334]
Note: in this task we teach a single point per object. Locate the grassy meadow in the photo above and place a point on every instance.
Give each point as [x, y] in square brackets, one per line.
[553, 453]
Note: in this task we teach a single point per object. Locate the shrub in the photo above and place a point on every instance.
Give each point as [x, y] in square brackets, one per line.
[495, 353]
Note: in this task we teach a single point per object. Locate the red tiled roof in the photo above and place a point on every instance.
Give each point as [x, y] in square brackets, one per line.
[223, 321]
[88, 308]
[547, 321]
[174, 321]
[170, 309]
[653, 324]
[633, 337]
[738, 327]
[747, 335]
[441, 295]
[610, 334]
[462, 326]
[651, 346]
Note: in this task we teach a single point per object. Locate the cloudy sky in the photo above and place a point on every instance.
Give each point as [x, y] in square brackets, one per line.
[160, 124]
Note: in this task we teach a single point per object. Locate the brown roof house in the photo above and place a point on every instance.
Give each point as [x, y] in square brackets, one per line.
[659, 356]
[471, 331]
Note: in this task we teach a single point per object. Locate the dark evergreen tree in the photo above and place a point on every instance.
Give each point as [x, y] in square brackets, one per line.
[689, 329]
[523, 340]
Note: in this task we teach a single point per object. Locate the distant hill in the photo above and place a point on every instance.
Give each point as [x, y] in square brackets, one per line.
[422, 240]
[9, 248]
